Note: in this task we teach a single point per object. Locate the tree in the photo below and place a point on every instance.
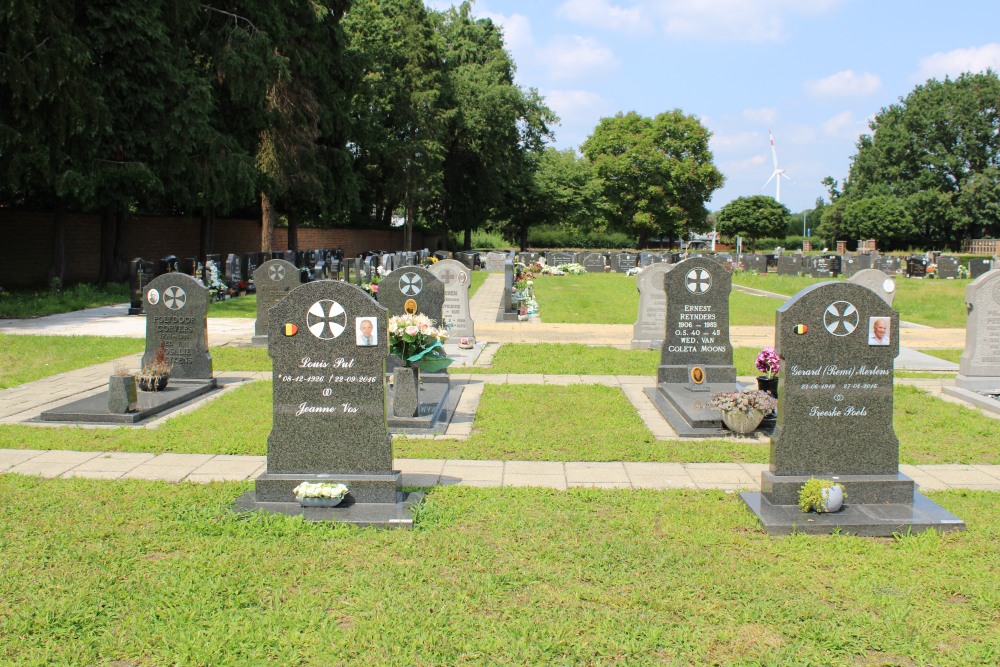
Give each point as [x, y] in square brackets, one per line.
[756, 217]
[657, 173]
[882, 217]
[942, 139]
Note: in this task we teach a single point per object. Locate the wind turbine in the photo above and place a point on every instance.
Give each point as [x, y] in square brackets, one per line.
[777, 173]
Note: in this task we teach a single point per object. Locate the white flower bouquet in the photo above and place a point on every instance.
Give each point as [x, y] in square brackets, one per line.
[415, 340]
[320, 490]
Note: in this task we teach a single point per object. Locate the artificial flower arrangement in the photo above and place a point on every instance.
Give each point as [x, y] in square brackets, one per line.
[320, 490]
[429, 261]
[744, 401]
[415, 340]
[573, 269]
[768, 362]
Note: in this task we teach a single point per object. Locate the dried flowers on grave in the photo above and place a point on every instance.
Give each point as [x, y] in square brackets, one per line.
[744, 401]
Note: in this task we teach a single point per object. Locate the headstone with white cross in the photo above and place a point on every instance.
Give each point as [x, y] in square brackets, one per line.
[457, 280]
[696, 358]
[651, 323]
[837, 342]
[176, 307]
[329, 422]
[412, 289]
[274, 279]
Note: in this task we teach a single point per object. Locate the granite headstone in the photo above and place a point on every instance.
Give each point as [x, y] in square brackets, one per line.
[412, 289]
[651, 323]
[495, 260]
[979, 266]
[274, 279]
[947, 267]
[876, 281]
[456, 279]
[621, 262]
[176, 314]
[594, 262]
[140, 272]
[979, 365]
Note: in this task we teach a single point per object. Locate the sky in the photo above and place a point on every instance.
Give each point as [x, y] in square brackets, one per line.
[812, 71]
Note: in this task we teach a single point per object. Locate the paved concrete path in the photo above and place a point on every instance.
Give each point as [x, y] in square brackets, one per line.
[203, 468]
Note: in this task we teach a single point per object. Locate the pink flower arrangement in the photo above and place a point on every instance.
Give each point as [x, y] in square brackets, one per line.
[415, 340]
[768, 362]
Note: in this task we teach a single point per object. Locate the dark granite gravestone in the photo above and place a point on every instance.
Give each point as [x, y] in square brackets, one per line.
[468, 259]
[456, 279]
[412, 289]
[646, 258]
[527, 257]
[696, 357]
[560, 257]
[329, 419]
[234, 270]
[888, 264]
[758, 263]
[651, 323]
[623, 261]
[140, 272]
[789, 265]
[443, 254]
[176, 306]
[594, 262]
[979, 266]
[835, 418]
[495, 260]
[916, 266]
[169, 264]
[274, 279]
[193, 267]
[827, 266]
[877, 282]
[979, 365]
[947, 267]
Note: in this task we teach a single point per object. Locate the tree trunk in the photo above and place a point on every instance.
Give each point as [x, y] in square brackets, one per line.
[467, 239]
[293, 232]
[523, 242]
[57, 270]
[267, 220]
[207, 231]
[408, 229]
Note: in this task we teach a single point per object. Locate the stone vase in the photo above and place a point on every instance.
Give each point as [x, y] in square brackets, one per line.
[740, 422]
[406, 391]
[123, 397]
[769, 385]
[833, 499]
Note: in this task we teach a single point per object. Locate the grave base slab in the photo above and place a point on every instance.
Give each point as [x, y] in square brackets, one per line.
[259, 341]
[94, 409]
[989, 402]
[278, 487]
[884, 520]
[984, 384]
[397, 514]
[860, 489]
[438, 400]
[688, 412]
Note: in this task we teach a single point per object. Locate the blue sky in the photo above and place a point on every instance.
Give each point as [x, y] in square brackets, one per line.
[813, 71]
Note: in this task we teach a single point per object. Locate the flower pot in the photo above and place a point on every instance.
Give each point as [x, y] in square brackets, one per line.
[406, 391]
[153, 384]
[122, 395]
[833, 499]
[770, 385]
[741, 422]
[319, 502]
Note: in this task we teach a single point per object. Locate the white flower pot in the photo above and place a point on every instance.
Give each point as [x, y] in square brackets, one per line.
[833, 499]
[740, 422]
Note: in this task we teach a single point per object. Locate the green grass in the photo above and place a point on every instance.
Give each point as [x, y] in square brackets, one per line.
[27, 358]
[612, 298]
[478, 278]
[524, 422]
[240, 359]
[578, 359]
[935, 303]
[241, 306]
[947, 355]
[149, 573]
[22, 304]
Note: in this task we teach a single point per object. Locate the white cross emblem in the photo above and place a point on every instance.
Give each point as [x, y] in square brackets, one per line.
[698, 281]
[840, 318]
[410, 284]
[326, 319]
[174, 298]
[276, 272]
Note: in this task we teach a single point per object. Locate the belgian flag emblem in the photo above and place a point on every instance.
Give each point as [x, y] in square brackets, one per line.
[801, 329]
[291, 329]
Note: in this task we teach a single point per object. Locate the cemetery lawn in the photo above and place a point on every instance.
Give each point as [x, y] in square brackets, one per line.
[241, 306]
[478, 278]
[934, 303]
[23, 304]
[27, 358]
[523, 422]
[138, 572]
[612, 298]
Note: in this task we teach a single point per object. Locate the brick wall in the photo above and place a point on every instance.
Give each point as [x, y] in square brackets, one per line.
[27, 238]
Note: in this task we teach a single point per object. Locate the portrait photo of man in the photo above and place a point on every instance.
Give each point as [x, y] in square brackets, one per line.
[878, 331]
[367, 336]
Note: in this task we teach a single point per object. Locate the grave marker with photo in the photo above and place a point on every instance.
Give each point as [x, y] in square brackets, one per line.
[456, 279]
[176, 308]
[412, 289]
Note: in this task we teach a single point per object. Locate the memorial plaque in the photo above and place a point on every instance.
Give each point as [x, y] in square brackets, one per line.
[456, 279]
[412, 289]
[979, 365]
[837, 342]
[176, 314]
[876, 281]
[696, 359]
[621, 262]
[140, 272]
[274, 279]
[651, 324]
[594, 262]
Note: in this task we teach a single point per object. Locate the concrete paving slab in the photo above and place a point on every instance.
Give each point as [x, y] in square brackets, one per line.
[93, 474]
[599, 485]
[596, 473]
[12, 457]
[163, 473]
[557, 482]
[419, 465]
[419, 479]
[109, 462]
[534, 468]
[663, 482]
[644, 469]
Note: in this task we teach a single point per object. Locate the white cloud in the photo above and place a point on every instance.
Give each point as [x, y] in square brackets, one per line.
[751, 164]
[601, 14]
[575, 104]
[845, 126]
[517, 35]
[571, 57]
[765, 115]
[721, 142]
[734, 20]
[846, 83]
[953, 63]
